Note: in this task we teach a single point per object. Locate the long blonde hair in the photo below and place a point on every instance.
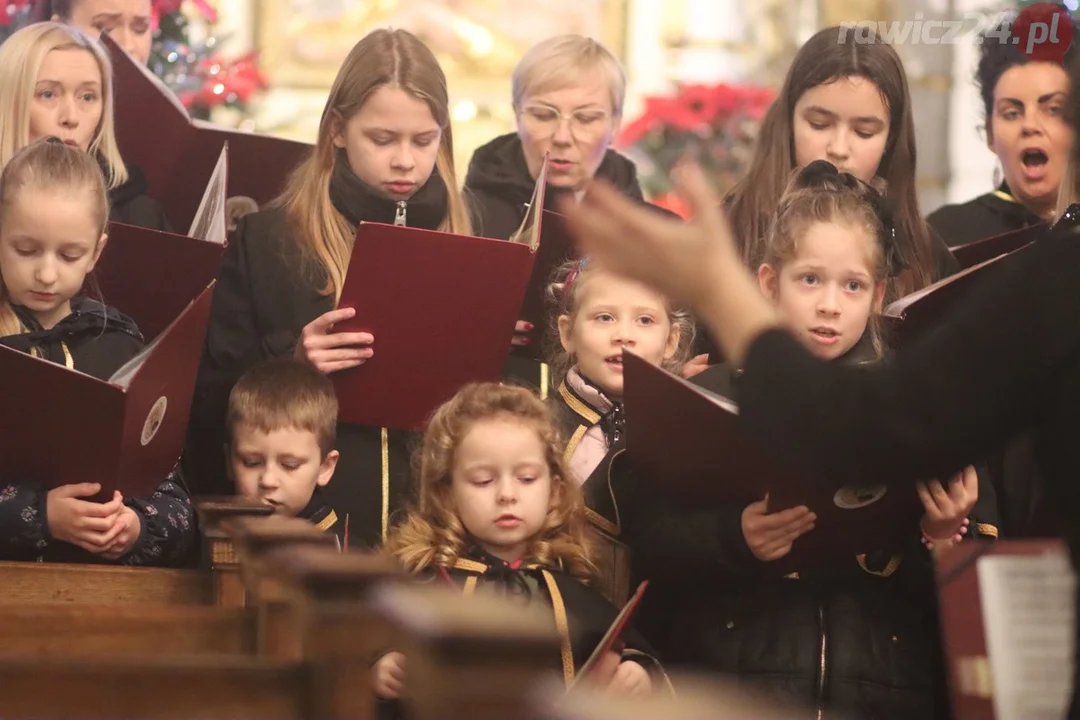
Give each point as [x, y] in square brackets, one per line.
[394, 58]
[21, 57]
[53, 166]
[432, 535]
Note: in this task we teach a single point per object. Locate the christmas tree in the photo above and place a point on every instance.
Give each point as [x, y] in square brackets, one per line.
[195, 71]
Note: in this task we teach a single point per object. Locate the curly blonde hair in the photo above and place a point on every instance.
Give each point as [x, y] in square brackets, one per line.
[565, 301]
[432, 534]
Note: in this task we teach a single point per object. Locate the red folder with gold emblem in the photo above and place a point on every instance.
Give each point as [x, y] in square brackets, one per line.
[177, 153]
[688, 441]
[125, 433]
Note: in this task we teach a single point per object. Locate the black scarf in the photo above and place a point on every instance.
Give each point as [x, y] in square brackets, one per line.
[358, 201]
[88, 317]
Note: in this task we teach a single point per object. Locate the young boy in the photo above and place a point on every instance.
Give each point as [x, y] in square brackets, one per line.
[282, 420]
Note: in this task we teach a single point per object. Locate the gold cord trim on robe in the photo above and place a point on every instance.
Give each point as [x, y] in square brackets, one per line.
[573, 442]
[894, 563]
[987, 529]
[591, 416]
[545, 380]
[562, 625]
[385, 442]
[69, 361]
[470, 565]
[327, 522]
[1005, 196]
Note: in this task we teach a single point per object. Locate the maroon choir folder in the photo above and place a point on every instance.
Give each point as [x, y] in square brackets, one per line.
[979, 251]
[442, 308]
[125, 433]
[176, 153]
[153, 275]
[963, 630]
[556, 247]
[613, 638]
[914, 315]
[688, 441]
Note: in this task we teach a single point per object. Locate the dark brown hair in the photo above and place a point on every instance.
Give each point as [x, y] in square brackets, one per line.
[832, 54]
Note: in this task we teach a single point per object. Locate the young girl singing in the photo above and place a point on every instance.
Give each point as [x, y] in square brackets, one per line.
[499, 511]
[53, 212]
[598, 315]
[384, 154]
[56, 81]
[856, 637]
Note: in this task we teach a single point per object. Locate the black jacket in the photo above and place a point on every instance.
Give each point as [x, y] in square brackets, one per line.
[264, 297]
[579, 609]
[857, 639]
[129, 204]
[499, 186]
[319, 513]
[96, 340]
[988, 215]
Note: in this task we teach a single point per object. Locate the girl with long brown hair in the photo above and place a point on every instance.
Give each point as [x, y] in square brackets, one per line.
[844, 100]
[384, 154]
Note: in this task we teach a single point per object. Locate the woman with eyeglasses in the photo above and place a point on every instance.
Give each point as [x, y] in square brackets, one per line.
[568, 95]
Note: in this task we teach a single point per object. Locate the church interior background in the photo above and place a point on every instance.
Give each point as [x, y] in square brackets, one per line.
[700, 72]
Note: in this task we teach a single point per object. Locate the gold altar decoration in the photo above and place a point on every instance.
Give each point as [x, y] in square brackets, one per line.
[303, 42]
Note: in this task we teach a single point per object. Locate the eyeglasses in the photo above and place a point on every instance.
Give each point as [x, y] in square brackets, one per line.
[543, 121]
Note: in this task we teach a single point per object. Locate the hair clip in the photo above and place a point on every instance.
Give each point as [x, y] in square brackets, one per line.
[54, 140]
[564, 299]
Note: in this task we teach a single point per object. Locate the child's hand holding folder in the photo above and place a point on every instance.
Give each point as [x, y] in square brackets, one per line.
[89, 525]
[331, 351]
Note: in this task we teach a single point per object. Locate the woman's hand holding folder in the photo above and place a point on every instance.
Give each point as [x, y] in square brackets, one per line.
[331, 351]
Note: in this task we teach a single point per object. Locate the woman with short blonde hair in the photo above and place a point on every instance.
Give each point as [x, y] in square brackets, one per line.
[56, 81]
[567, 95]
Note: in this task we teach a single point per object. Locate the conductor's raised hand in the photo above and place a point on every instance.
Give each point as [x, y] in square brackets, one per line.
[331, 351]
[630, 239]
[771, 535]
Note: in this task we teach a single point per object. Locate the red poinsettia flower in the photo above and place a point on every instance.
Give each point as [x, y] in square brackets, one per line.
[11, 10]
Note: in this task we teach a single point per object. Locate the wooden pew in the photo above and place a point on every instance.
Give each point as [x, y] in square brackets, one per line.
[697, 698]
[81, 629]
[27, 582]
[331, 681]
[468, 658]
[328, 619]
[157, 689]
[218, 554]
[77, 630]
